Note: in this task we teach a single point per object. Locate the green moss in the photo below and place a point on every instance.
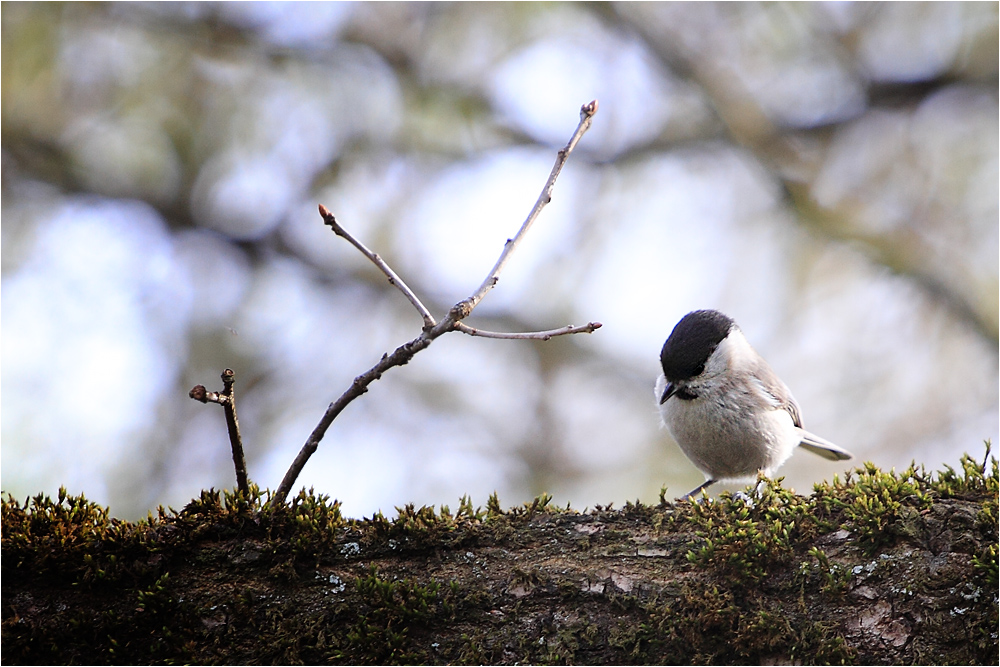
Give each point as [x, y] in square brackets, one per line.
[156, 598]
[834, 577]
[976, 478]
[390, 611]
[985, 562]
[745, 536]
[874, 501]
[713, 626]
[58, 537]
[879, 505]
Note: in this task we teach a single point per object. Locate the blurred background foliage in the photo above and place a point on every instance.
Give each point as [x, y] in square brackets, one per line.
[826, 173]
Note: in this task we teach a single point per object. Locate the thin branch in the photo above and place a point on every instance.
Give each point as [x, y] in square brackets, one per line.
[587, 112]
[432, 330]
[400, 356]
[590, 327]
[394, 279]
[227, 399]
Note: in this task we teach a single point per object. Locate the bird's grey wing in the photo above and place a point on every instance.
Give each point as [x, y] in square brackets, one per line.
[781, 397]
[775, 391]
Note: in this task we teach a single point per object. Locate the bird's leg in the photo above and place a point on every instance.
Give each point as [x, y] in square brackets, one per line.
[696, 491]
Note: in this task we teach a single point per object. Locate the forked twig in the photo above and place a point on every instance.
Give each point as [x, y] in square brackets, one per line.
[432, 329]
[227, 399]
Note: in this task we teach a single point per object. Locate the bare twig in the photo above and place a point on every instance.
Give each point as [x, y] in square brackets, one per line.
[227, 399]
[432, 330]
[590, 327]
[394, 280]
[587, 112]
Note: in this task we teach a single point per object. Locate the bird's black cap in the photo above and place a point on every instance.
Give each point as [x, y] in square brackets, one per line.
[692, 342]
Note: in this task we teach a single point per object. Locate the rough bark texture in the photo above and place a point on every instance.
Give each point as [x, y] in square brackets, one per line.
[879, 569]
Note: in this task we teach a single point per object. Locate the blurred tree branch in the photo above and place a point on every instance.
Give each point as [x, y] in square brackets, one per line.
[787, 154]
[201, 84]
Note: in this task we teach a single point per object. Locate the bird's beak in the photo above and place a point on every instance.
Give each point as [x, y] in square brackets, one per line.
[668, 392]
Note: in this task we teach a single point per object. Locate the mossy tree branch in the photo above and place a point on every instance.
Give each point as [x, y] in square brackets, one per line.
[880, 568]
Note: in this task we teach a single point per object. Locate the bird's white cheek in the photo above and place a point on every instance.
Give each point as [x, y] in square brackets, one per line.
[661, 384]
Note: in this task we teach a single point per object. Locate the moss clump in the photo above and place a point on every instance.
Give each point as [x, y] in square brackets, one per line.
[715, 625]
[59, 538]
[877, 505]
[745, 536]
[392, 611]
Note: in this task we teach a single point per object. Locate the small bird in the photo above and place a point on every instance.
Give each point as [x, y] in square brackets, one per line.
[724, 406]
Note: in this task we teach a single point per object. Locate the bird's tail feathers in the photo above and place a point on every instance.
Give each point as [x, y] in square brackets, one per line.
[824, 448]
